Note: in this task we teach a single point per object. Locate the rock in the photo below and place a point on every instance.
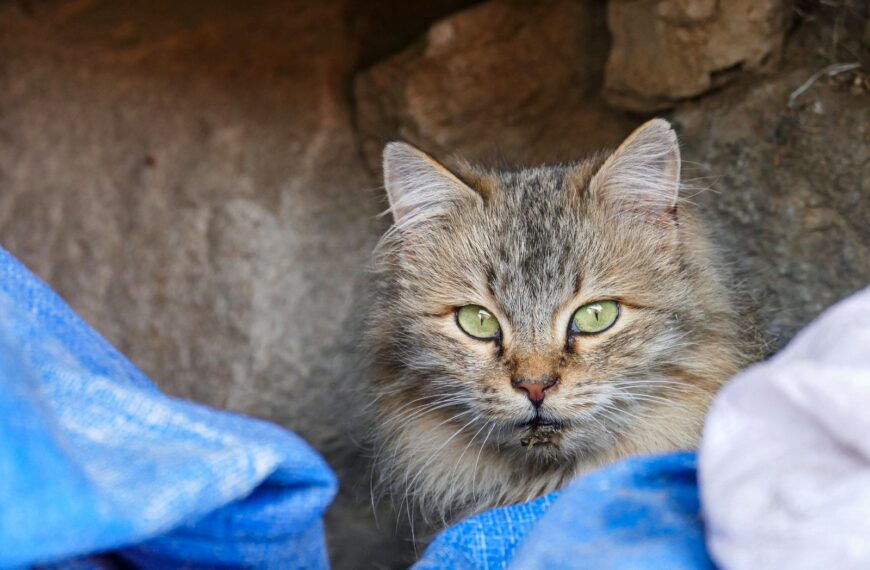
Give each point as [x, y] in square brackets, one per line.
[187, 177]
[665, 51]
[385, 27]
[506, 81]
[790, 189]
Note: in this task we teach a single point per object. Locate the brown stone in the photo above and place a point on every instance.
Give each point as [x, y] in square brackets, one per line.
[665, 51]
[502, 82]
[186, 175]
[788, 189]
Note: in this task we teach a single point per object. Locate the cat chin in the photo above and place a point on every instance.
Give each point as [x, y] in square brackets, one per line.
[541, 431]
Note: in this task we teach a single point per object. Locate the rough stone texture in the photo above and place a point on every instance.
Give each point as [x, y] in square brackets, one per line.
[149, 173]
[194, 177]
[383, 27]
[186, 175]
[668, 50]
[504, 82]
[791, 188]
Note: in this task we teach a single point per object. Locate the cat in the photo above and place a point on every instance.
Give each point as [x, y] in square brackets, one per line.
[530, 325]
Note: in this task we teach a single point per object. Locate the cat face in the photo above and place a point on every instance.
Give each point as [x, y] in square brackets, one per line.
[543, 319]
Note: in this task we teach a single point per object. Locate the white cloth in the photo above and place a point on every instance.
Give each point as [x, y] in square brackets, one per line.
[785, 456]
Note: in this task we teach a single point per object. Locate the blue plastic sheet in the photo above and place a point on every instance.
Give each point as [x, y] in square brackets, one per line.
[640, 514]
[93, 458]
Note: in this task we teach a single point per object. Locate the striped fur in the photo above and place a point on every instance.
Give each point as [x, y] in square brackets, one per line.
[532, 246]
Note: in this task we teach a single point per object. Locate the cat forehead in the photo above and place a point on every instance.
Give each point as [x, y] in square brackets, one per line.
[507, 187]
[542, 177]
[535, 191]
[528, 242]
[534, 208]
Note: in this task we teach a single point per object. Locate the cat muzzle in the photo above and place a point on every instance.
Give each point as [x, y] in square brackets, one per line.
[541, 431]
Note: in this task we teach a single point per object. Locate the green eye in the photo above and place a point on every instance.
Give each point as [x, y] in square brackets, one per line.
[595, 317]
[477, 322]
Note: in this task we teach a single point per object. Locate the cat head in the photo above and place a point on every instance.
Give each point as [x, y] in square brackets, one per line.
[532, 321]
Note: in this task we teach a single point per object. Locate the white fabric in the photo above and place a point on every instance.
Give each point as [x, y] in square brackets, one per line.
[785, 457]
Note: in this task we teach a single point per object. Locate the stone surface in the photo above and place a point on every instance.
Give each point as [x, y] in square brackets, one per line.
[504, 82]
[790, 188]
[665, 51]
[186, 175]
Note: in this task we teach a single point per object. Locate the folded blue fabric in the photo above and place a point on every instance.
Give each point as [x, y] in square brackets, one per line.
[640, 514]
[93, 458]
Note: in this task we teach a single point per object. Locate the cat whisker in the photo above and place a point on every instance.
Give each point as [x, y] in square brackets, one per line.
[413, 415]
[411, 486]
[461, 455]
[609, 406]
[658, 400]
[477, 460]
[436, 403]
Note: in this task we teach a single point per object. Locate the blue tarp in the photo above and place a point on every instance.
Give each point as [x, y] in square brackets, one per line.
[640, 514]
[93, 458]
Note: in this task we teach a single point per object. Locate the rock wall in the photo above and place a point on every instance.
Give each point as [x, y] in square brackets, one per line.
[665, 51]
[505, 82]
[187, 176]
[790, 190]
[200, 180]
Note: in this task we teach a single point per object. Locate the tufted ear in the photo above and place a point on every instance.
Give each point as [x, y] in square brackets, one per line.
[643, 175]
[418, 187]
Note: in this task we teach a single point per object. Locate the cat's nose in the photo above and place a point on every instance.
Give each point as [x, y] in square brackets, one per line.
[535, 388]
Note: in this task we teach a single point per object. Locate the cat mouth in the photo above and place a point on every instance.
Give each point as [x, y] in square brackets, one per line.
[538, 421]
[541, 431]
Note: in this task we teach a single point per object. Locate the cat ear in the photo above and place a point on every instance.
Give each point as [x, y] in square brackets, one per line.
[418, 187]
[643, 174]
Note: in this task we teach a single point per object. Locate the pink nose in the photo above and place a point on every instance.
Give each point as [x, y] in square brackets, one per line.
[535, 388]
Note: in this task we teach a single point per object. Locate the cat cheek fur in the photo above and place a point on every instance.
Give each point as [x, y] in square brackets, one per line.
[480, 350]
[533, 245]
